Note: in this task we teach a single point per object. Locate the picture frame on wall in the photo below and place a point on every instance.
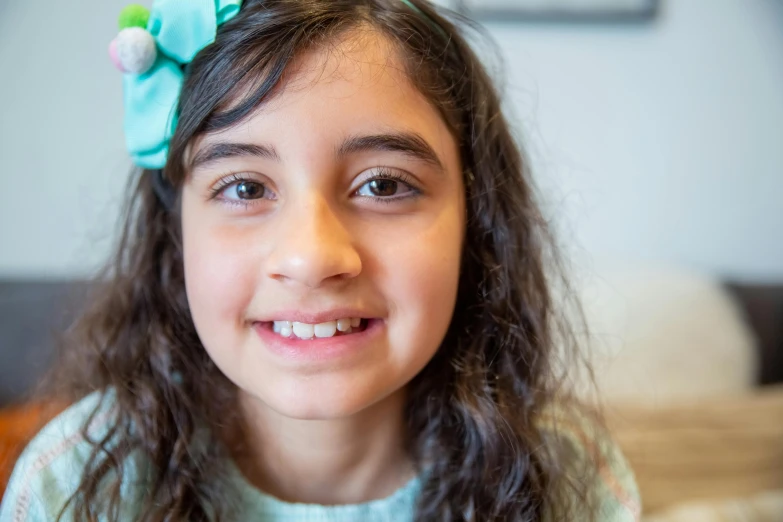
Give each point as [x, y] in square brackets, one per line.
[560, 10]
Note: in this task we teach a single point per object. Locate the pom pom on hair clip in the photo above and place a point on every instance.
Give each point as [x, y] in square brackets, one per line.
[134, 50]
[134, 15]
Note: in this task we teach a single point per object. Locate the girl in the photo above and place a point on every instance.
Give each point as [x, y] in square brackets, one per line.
[330, 299]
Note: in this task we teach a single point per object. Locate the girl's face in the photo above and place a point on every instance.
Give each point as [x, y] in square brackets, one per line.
[341, 198]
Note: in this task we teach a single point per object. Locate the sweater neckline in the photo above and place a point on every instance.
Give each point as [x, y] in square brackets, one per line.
[392, 507]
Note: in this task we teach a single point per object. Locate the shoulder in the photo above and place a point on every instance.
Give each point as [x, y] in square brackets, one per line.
[613, 486]
[50, 468]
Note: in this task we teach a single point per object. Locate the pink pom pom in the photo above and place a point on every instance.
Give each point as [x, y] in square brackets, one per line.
[115, 57]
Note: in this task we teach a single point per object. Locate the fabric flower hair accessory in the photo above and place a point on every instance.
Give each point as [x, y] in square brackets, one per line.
[151, 50]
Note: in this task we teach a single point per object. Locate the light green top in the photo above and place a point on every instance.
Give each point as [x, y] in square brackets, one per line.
[49, 470]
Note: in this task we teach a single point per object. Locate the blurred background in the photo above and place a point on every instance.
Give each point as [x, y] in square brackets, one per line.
[655, 133]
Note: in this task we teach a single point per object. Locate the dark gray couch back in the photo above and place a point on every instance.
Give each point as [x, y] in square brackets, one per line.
[31, 315]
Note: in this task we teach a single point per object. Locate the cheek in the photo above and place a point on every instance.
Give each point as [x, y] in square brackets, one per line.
[219, 279]
[420, 274]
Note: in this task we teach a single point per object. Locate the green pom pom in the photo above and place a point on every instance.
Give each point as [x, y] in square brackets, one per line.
[134, 15]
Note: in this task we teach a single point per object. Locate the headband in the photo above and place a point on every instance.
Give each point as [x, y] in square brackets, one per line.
[151, 49]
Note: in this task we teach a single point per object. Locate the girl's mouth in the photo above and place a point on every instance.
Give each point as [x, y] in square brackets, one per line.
[297, 330]
[320, 342]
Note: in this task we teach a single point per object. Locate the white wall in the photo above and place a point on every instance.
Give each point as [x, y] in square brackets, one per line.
[62, 158]
[659, 142]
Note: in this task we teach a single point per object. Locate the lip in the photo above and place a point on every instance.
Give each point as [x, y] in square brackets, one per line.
[316, 317]
[319, 349]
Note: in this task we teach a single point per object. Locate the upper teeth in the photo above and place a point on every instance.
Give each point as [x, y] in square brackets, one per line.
[308, 331]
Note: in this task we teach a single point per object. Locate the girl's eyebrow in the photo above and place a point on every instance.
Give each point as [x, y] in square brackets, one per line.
[408, 143]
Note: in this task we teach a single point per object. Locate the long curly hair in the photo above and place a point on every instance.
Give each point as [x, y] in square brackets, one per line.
[473, 411]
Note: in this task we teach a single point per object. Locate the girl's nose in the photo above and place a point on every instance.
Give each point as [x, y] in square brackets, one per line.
[312, 246]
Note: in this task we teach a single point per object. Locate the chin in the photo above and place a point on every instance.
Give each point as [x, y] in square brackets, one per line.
[309, 411]
[311, 400]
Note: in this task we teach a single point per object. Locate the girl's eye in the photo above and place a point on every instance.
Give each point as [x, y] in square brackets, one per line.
[245, 190]
[237, 189]
[387, 186]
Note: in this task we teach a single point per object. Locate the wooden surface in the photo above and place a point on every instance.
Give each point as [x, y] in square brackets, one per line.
[17, 426]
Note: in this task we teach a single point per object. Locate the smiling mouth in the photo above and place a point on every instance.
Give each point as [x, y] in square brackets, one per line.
[297, 330]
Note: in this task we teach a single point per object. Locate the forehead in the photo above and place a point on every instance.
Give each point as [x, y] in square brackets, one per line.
[357, 84]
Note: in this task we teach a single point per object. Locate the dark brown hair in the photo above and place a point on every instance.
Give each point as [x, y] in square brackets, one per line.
[472, 412]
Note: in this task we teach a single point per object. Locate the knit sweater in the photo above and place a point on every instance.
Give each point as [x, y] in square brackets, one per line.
[48, 472]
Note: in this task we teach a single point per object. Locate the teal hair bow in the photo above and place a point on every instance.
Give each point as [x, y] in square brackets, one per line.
[180, 29]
